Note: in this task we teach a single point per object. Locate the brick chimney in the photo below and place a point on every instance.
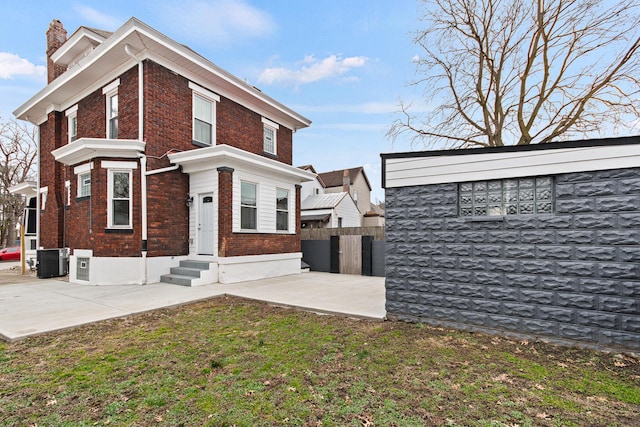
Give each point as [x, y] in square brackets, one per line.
[346, 181]
[56, 36]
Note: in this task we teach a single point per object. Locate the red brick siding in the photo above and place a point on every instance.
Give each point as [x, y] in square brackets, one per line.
[168, 122]
[239, 127]
[240, 244]
[52, 177]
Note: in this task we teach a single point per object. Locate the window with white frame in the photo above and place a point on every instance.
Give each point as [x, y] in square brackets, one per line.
[83, 173]
[204, 115]
[119, 200]
[111, 93]
[269, 136]
[72, 123]
[282, 210]
[248, 206]
[84, 184]
[515, 196]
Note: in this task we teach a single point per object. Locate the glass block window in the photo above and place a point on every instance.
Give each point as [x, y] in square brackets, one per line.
[515, 196]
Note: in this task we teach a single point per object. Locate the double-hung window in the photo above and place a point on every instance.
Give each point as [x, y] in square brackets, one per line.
[111, 93]
[269, 136]
[72, 123]
[119, 210]
[248, 206]
[282, 210]
[204, 115]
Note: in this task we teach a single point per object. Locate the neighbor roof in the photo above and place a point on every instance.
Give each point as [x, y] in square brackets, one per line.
[334, 178]
[322, 201]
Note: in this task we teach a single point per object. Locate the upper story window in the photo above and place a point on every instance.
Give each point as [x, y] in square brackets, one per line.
[248, 206]
[515, 196]
[204, 115]
[111, 93]
[72, 123]
[269, 139]
[282, 210]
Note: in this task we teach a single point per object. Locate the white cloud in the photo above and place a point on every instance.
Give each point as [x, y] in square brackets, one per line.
[219, 22]
[98, 19]
[12, 65]
[312, 70]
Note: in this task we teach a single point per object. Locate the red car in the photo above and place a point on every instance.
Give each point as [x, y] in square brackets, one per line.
[8, 254]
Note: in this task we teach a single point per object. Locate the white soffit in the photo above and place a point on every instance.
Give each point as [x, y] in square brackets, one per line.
[226, 156]
[85, 149]
[417, 170]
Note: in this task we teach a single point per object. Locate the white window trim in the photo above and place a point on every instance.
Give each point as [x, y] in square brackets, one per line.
[257, 207]
[67, 186]
[109, 91]
[274, 127]
[81, 184]
[72, 113]
[83, 170]
[110, 173]
[44, 191]
[288, 229]
[208, 96]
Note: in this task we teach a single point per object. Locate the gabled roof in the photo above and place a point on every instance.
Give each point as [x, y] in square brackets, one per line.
[334, 178]
[322, 201]
[311, 169]
[119, 51]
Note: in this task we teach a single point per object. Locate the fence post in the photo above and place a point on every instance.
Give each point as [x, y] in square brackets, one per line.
[367, 250]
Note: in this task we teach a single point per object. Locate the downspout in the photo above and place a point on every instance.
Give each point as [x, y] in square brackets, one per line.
[143, 158]
[38, 194]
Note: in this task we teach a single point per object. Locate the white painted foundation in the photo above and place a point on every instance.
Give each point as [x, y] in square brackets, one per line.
[255, 267]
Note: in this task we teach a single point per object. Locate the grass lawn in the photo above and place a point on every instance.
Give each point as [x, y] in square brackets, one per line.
[229, 362]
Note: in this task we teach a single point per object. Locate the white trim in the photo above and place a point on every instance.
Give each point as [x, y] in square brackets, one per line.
[270, 123]
[183, 60]
[111, 87]
[83, 168]
[204, 92]
[84, 149]
[410, 171]
[225, 155]
[109, 164]
[110, 172]
[71, 110]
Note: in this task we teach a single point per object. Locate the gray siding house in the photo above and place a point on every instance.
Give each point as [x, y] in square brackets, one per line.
[531, 241]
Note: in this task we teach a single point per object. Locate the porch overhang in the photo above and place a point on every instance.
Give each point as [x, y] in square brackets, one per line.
[208, 158]
[26, 188]
[85, 149]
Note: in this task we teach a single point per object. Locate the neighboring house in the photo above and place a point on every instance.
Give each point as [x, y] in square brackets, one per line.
[28, 189]
[537, 240]
[375, 217]
[333, 210]
[353, 181]
[313, 187]
[151, 155]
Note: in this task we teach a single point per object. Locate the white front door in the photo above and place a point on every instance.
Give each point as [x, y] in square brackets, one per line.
[205, 224]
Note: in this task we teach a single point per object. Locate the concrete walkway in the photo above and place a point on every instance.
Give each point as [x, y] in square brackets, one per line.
[35, 306]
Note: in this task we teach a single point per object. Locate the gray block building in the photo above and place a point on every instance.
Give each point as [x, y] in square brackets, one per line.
[531, 241]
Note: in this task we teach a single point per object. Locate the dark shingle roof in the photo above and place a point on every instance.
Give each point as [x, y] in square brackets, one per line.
[334, 178]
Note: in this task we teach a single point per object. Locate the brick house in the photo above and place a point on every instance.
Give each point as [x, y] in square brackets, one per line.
[152, 156]
[540, 240]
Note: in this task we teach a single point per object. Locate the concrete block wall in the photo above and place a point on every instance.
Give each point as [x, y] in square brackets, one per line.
[570, 276]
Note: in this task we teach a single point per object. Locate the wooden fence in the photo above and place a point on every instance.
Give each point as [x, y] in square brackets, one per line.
[325, 233]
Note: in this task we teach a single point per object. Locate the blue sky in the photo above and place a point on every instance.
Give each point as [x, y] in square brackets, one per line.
[343, 64]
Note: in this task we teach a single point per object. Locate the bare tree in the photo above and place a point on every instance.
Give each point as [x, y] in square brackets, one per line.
[18, 150]
[503, 72]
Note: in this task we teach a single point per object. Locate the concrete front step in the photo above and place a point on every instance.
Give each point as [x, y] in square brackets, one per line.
[186, 273]
[176, 279]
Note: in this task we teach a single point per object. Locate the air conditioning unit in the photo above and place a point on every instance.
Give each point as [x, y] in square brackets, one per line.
[52, 262]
